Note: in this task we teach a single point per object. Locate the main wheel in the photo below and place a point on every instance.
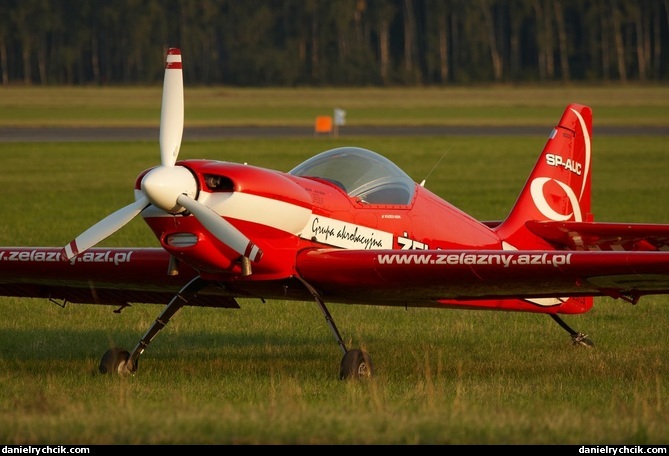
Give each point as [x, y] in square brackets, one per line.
[115, 361]
[356, 364]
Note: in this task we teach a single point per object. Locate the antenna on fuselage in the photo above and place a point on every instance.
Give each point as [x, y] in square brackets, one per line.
[422, 184]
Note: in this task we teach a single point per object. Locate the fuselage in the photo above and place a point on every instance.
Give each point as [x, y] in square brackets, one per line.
[283, 213]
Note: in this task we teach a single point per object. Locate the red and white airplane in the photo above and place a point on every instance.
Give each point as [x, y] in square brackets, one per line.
[346, 226]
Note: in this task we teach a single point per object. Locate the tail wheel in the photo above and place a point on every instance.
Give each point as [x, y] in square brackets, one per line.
[115, 361]
[356, 364]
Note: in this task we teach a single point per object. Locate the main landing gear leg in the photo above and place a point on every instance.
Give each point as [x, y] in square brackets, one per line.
[356, 363]
[576, 337]
[118, 360]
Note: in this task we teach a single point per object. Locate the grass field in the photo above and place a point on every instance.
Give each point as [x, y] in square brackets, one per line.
[267, 374]
[216, 106]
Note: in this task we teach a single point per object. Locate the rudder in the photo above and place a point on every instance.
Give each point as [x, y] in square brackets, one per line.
[559, 186]
[559, 189]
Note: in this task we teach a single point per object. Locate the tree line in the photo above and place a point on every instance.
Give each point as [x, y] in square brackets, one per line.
[334, 42]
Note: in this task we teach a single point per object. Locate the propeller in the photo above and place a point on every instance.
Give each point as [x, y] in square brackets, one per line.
[168, 187]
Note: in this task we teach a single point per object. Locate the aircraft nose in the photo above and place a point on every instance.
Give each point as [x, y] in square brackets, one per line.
[163, 185]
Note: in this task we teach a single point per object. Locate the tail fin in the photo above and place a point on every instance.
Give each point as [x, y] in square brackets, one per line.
[559, 186]
[558, 189]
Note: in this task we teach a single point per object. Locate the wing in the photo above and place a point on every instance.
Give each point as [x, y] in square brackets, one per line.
[420, 277]
[99, 276]
[603, 236]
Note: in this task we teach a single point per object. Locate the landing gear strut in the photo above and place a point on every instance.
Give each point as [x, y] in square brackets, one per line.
[356, 363]
[120, 361]
[576, 337]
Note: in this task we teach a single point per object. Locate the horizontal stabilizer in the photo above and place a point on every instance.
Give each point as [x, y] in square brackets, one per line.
[603, 236]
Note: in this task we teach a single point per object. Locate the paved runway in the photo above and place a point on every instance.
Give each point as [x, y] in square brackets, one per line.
[55, 134]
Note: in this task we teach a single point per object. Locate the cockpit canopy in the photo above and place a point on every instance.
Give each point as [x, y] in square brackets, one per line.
[361, 173]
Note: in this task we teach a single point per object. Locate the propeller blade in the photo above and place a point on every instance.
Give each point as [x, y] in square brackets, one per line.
[221, 228]
[172, 113]
[104, 228]
[163, 191]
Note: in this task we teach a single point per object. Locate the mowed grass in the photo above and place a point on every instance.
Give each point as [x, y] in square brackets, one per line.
[267, 374]
[638, 105]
